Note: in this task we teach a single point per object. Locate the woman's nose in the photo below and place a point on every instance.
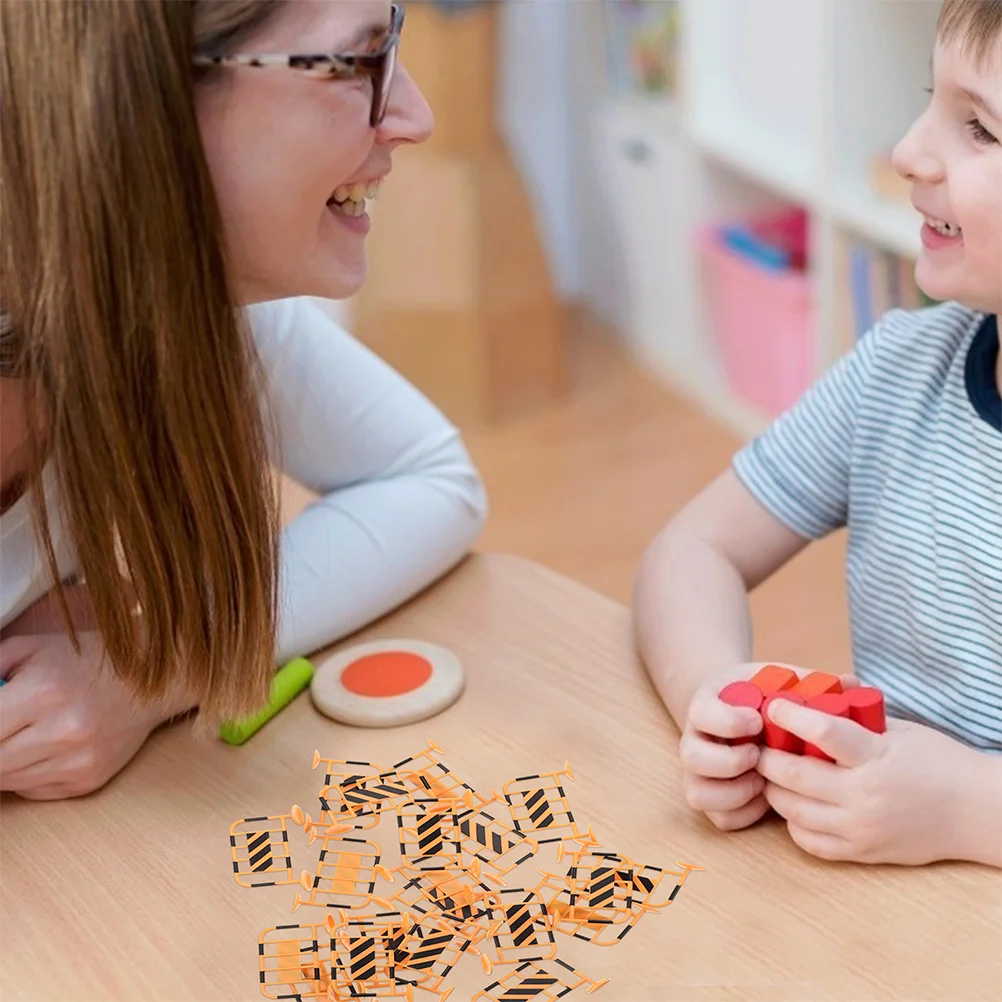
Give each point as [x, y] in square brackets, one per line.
[408, 118]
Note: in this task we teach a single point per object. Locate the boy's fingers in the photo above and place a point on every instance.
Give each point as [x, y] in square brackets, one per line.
[741, 818]
[704, 794]
[703, 757]
[845, 741]
[711, 716]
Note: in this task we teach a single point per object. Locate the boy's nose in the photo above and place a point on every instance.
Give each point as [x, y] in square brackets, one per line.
[913, 158]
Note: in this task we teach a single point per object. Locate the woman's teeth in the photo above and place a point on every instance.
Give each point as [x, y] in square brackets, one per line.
[946, 229]
[349, 199]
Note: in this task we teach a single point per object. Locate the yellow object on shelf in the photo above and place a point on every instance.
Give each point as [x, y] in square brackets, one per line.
[887, 183]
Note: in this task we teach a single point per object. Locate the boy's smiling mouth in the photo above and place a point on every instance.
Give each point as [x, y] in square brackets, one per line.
[942, 227]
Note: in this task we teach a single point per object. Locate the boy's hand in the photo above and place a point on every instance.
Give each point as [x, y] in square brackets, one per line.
[887, 798]
[721, 779]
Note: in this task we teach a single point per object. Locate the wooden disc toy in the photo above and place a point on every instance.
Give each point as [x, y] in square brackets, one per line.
[387, 683]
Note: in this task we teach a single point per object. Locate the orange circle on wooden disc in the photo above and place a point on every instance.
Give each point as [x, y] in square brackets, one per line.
[389, 673]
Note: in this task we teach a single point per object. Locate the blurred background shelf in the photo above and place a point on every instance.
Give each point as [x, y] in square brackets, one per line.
[622, 130]
[775, 104]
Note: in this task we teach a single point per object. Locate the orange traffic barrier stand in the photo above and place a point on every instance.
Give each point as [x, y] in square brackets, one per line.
[602, 890]
[366, 948]
[295, 961]
[459, 889]
[455, 895]
[430, 951]
[260, 851]
[345, 876]
[495, 844]
[428, 836]
[538, 982]
[539, 807]
[358, 790]
[520, 928]
[429, 778]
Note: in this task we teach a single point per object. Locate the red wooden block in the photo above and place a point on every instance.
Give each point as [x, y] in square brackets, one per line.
[773, 678]
[866, 707]
[835, 703]
[743, 694]
[817, 683]
[776, 736]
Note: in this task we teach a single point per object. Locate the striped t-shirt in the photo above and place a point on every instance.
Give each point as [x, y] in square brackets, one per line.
[901, 443]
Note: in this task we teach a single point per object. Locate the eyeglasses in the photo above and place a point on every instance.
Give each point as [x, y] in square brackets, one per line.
[379, 66]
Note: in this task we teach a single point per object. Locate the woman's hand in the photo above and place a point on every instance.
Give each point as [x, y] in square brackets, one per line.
[46, 615]
[67, 723]
[898, 797]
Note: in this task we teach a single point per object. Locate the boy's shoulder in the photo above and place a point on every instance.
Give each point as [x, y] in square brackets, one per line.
[924, 338]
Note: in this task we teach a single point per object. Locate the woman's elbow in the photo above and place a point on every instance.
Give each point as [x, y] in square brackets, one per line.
[475, 504]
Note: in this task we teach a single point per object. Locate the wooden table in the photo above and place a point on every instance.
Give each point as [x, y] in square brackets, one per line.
[129, 894]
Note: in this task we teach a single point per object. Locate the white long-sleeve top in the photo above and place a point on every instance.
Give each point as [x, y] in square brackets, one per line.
[399, 504]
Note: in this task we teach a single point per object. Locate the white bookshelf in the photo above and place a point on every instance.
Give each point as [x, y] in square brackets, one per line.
[782, 102]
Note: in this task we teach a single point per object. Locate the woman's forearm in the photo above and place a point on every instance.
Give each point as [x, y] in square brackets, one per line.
[691, 615]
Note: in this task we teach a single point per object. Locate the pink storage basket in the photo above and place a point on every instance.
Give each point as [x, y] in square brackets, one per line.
[763, 323]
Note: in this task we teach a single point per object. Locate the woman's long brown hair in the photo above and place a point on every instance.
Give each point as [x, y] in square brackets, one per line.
[142, 384]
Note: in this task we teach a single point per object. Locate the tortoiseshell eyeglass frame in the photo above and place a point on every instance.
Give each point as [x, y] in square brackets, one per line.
[379, 66]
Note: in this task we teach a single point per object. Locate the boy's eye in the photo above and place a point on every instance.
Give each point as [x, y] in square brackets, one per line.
[980, 133]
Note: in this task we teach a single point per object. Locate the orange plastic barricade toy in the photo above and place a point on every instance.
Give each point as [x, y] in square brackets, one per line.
[260, 851]
[496, 845]
[603, 891]
[429, 778]
[458, 858]
[346, 874]
[429, 952]
[539, 807]
[428, 835]
[360, 790]
[538, 982]
[520, 928]
[366, 956]
[296, 961]
[455, 895]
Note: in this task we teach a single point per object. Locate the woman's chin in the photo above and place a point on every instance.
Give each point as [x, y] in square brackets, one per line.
[336, 280]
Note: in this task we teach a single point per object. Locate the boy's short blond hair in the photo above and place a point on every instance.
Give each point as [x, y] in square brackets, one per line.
[978, 23]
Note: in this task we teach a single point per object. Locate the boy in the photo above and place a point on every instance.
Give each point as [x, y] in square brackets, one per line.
[901, 442]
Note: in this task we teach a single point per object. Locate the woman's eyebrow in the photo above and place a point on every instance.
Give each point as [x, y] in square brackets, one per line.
[364, 34]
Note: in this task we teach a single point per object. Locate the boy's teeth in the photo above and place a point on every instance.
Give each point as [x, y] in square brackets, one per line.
[946, 229]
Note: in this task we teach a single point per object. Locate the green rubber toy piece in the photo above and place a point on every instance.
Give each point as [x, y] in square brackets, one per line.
[289, 681]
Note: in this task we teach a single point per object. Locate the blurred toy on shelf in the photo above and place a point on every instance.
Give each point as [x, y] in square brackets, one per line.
[642, 43]
[886, 182]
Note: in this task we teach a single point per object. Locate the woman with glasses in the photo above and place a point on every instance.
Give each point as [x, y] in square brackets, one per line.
[177, 176]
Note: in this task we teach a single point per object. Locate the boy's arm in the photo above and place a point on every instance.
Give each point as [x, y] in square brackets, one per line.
[788, 486]
[690, 599]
